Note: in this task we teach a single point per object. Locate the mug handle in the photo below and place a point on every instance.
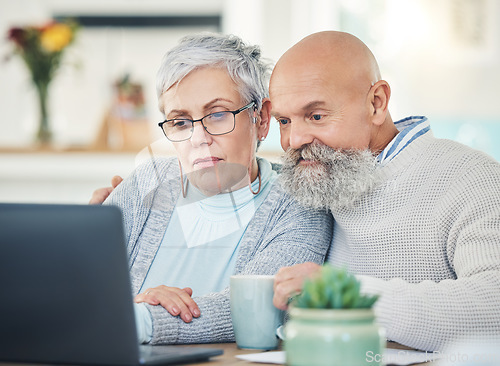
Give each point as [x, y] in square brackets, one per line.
[280, 332]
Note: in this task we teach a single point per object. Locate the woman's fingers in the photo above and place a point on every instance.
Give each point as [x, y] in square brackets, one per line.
[176, 301]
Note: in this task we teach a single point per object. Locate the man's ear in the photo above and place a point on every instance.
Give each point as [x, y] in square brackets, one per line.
[379, 97]
[264, 120]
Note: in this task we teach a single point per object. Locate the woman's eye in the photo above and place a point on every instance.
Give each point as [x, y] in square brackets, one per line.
[180, 123]
[282, 121]
[218, 115]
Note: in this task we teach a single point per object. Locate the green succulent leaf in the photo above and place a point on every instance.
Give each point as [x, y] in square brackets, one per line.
[333, 288]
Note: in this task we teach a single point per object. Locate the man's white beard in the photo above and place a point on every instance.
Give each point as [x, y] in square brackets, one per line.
[337, 180]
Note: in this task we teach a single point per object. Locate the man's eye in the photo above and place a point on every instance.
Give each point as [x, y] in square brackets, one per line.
[317, 117]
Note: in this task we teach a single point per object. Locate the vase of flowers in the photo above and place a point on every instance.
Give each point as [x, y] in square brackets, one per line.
[41, 49]
[331, 323]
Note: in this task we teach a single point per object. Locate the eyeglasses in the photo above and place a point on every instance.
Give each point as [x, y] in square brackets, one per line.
[218, 123]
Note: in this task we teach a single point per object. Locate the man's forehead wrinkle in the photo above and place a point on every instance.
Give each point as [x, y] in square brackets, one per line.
[297, 85]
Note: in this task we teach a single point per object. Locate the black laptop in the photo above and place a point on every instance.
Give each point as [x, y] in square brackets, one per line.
[65, 290]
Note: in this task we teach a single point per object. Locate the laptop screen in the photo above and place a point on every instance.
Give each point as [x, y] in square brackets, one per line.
[65, 284]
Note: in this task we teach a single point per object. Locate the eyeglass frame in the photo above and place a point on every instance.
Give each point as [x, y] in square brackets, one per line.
[249, 105]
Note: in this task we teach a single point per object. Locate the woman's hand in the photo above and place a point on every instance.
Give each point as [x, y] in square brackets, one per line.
[175, 300]
[289, 280]
[100, 194]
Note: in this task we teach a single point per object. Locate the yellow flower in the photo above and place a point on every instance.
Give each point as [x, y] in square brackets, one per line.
[55, 37]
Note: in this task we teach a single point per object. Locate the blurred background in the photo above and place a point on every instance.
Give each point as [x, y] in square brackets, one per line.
[441, 58]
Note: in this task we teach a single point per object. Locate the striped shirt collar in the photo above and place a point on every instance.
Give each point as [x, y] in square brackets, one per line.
[409, 129]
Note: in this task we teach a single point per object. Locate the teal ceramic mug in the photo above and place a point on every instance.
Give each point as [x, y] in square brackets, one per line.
[255, 319]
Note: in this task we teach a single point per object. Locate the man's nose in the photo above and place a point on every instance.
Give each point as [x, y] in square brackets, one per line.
[300, 134]
[200, 135]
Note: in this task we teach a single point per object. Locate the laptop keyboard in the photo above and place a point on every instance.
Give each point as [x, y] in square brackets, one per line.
[151, 352]
[163, 354]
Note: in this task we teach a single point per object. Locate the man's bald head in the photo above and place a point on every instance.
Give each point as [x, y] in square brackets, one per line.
[343, 56]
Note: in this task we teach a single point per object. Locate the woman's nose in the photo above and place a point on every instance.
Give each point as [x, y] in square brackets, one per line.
[200, 135]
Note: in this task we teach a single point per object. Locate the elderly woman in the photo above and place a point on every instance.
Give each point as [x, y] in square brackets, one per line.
[215, 209]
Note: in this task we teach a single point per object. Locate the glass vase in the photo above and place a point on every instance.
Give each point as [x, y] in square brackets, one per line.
[44, 133]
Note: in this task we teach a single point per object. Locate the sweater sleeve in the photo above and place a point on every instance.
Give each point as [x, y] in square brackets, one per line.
[432, 315]
[134, 196]
[281, 234]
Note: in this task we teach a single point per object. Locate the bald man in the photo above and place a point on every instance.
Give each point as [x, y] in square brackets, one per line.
[416, 218]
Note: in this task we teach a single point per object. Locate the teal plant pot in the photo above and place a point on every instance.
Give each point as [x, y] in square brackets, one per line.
[320, 337]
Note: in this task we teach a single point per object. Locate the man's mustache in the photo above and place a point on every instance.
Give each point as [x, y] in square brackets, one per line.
[306, 152]
[316, 153]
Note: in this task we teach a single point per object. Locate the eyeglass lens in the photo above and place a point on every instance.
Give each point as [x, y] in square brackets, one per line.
[218, 123]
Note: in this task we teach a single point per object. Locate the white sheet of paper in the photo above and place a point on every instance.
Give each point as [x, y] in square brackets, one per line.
[276, 357]
[401, 357]
[398, 357]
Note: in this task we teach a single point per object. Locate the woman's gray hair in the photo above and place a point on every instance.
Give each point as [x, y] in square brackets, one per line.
[243, 62]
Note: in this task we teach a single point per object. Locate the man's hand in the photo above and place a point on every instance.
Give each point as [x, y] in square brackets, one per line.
[175, 300]
[101, 194]
[288, 282]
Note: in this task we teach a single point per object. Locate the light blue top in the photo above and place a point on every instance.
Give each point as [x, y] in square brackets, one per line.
[409, 128]
[199, 248]
[200, 245]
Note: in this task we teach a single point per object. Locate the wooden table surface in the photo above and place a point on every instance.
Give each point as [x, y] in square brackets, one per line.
[231, 351]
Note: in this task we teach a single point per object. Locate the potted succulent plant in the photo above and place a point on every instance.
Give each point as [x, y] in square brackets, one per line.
[332, 323]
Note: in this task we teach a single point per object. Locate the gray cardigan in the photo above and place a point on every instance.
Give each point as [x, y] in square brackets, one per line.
[281, 233]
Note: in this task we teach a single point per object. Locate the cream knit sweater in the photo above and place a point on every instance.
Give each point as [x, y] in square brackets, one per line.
[427, 239]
